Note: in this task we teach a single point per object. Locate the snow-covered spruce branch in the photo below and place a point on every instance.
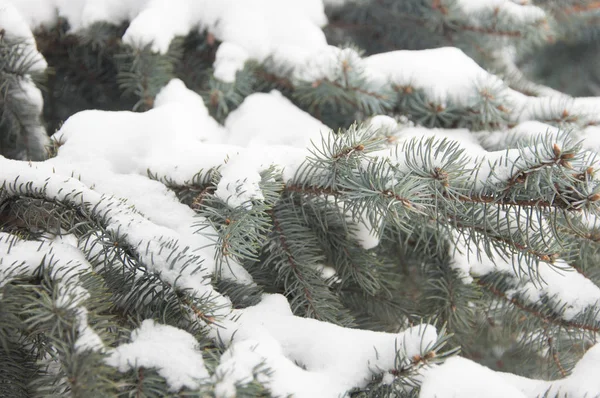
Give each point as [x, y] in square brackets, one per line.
[22, 135]
[377, 227]
[127, 260]
[345, 164]
[223, 381]
[337, 85]
[502, 225]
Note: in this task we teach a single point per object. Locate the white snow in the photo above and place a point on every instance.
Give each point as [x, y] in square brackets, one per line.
[169, 350]
[289, 30]
[460, 377]
[18, 257]
[383, 122]
[143, 235]
[366, 234]
[16, 28]
[229, 59]
[335, 359]
[264, 119]
[498, 140]
[88, 339]
[457, 77]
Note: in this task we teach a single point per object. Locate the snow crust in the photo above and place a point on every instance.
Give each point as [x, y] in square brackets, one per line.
[170, 350]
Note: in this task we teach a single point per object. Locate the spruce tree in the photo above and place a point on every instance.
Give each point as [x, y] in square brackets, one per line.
[308, 198]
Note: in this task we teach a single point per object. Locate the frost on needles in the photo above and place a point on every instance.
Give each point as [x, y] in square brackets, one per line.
[233, 201]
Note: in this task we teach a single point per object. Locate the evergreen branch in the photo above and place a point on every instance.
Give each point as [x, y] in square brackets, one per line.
[580, 8]
[548, 257]
[346, 86]
[502, 200]
[352, 263]
[341, 192]
[292, 262]
[406, 367]
[119, 263]
[544, 318]
[275, 79]
[555, 357]
[295, 253]
[143, 73]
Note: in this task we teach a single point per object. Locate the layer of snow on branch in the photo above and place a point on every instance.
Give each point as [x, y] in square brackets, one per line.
[335, 359]
[570, 292]
[171, 351]
[65, 264]
[16, 28]
[271, 119]
[457, 78]
[112, 152]
[273, 131]
[460, 377]
[162, 249]
[503, 8]
[290, 30]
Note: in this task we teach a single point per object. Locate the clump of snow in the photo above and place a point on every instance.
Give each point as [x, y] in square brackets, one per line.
[468, 141]
[364, 230]
[88, 339]
[169, 350]
[70, 295]
[265, 119]
[18, 257]
[228, 61]
[309, 358]
[366, 234]
[179, 124]
[460, 377]
[457, 78]
[272, 129]
[16, 28]
[240, 179]
[498, 140]
[289, 30]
